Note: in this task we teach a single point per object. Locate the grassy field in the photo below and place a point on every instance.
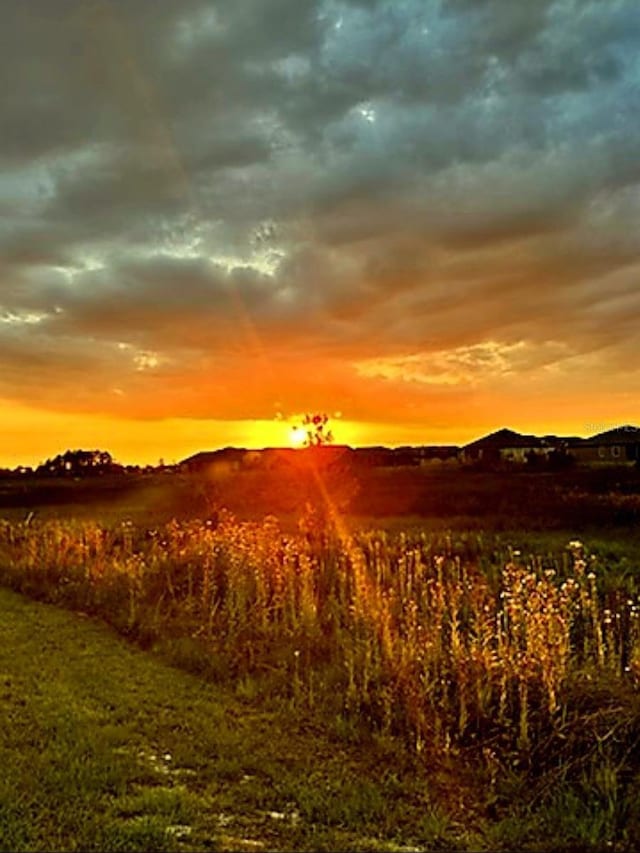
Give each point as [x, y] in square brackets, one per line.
[423, 685]
[580, 500]
[105, 747]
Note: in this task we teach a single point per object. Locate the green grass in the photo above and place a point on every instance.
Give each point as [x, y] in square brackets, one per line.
[580, 499]
[106, 747]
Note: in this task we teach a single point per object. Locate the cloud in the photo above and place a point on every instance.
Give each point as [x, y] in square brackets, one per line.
[224, 210]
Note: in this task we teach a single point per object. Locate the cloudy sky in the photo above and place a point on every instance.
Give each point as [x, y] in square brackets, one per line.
[421, 216]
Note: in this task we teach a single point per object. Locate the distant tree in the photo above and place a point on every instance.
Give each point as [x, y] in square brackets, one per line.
[325, 482]
[317, 430]
[79, 463]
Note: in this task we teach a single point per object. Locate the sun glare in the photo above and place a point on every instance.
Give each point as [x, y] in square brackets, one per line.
[297, 436]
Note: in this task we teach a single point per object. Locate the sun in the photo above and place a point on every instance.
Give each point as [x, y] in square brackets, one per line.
[297, 436]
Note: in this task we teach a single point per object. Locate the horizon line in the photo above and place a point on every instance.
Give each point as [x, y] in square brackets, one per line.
[355, 447]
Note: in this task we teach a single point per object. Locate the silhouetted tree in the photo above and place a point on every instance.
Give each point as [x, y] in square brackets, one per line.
[79, 463]
[326, 482]
[318, 433]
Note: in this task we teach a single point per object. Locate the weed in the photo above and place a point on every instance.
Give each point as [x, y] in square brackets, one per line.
[446, 642]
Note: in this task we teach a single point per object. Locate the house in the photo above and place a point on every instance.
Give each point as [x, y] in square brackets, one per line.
[372, 457]
[506, 445]
[618, 446]
[401, 457]
[404, 457]
[438, 453]
[231, 458]
[326, 454]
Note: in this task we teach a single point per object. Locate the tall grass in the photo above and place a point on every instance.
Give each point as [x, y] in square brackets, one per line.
[422, 636]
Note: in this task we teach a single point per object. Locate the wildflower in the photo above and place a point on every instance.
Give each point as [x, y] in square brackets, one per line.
[179, 831]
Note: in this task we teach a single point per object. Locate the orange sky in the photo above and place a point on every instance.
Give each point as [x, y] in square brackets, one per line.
[214, 217]
[32, 435]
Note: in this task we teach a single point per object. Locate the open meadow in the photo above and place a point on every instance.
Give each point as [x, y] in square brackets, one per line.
[495, 664]
[319, 425]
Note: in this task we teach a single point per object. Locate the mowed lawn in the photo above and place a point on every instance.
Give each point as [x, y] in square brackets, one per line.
[106, 747]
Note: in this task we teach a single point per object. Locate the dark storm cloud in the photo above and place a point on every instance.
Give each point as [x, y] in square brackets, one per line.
[190, 189]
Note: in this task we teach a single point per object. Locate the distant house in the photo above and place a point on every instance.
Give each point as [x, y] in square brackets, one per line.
[435, 453]
[389, 457]
[506, 445]
[404, 457]
[326, 456]
[618, 446]
[278, 458]
[229, 457]
[372, 457]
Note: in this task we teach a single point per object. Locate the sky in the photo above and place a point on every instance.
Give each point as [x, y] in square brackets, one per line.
[418, 216]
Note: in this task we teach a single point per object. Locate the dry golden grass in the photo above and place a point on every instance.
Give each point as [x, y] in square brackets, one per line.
[400, 631]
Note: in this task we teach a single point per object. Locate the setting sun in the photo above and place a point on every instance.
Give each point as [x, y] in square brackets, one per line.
[297, 436]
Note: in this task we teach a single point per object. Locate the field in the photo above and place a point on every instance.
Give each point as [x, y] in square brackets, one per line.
[467, 642]
[580, 499]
